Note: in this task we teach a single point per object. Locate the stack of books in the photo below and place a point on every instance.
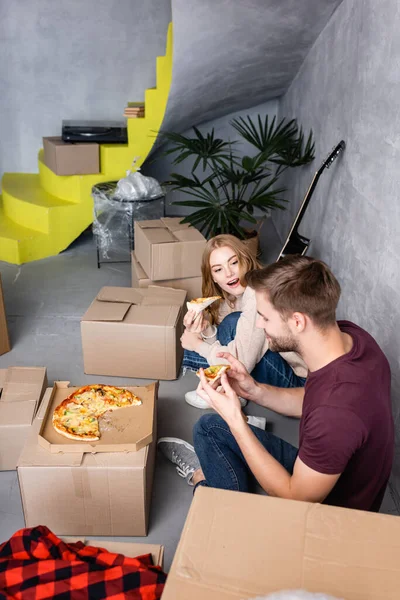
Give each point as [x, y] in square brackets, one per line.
[134, 110]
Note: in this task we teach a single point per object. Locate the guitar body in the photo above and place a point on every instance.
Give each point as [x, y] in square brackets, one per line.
[296, 243]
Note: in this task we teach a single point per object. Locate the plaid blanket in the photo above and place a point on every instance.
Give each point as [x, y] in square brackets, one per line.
[36, 565]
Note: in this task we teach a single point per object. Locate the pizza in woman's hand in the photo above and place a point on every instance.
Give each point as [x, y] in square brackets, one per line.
[199, 304]
[77, 416]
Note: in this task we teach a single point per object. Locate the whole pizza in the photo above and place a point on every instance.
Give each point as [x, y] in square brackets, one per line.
[77, 417]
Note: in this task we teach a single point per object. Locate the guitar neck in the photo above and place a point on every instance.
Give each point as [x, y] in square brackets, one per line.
[304, 204]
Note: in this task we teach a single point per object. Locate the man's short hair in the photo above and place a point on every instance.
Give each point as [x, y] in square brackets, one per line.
[299, 284]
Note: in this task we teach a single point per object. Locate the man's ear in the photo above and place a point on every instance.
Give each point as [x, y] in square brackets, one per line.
[298, 322]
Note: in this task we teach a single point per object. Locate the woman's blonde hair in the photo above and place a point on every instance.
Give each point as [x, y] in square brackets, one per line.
[247, 262]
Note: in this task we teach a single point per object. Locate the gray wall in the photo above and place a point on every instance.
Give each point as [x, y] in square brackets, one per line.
[72, 60]
[349, 87]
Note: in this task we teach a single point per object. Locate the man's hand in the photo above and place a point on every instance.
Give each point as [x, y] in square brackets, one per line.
[191, 341]
[240, 380]
[195, 322]
[226, 402]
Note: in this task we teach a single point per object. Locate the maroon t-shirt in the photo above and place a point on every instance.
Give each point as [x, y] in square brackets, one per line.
[347, 423]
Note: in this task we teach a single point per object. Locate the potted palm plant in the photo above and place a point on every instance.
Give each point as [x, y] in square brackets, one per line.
[227, 190]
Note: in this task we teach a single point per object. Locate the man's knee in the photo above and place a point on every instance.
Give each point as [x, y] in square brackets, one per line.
[205, 424]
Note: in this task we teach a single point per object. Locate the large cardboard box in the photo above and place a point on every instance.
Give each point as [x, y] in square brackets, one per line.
[237, 545]
[166, 249]
[21, 391]
[130, 549]
[87, 493]
[131, 332]
[4, 337]
[192, 285]
[64, 158]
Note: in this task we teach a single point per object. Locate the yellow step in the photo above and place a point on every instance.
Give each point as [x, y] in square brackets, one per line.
[26, 203]
[20, 244]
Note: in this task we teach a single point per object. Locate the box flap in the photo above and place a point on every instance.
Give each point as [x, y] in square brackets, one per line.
[16, 414]
[164, 316]
[140, 272]
[224, 553]
[174, 223]
[151, 224]
[21, 389]
[160, 235]
[163, 296]
[120, 294]
[106, 311]
[189, 235]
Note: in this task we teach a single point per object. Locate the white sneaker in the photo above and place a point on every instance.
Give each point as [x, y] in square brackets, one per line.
[194, 399]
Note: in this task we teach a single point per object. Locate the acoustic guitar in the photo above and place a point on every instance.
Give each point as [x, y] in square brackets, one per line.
[296, 243]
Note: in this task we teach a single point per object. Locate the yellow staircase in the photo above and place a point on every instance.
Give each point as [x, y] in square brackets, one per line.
[41, 214]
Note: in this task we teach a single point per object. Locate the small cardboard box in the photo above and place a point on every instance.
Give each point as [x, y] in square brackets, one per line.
[64, 158]
[4, 337]
[166, 249]
[237, 545]
[130, 549]
[192, 285]
[127, 430]
[131, 332]
[87, 493]
[21, 391]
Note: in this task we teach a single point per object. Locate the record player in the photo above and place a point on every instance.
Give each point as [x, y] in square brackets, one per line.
[101, 132]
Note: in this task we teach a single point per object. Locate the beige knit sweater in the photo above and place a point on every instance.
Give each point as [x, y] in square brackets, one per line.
[250, 343]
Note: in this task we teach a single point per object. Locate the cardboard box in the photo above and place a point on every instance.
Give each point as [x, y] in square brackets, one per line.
[237, 545]
[64, 158]
[192, 285]
[127, 430]
[168, 250]
[88, 493]
[131, 332]
[21, 391]
[130, 549]
[4, 337]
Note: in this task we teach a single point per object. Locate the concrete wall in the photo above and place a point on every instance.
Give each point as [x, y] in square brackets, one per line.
[349, 87]
[72, 60]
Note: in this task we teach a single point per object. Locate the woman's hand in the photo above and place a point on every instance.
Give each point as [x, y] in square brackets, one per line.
[195, 322]
[191, 341]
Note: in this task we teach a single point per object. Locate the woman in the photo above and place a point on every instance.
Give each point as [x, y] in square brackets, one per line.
[229, 324]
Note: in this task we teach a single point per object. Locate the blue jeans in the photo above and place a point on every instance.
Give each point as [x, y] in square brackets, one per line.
[271, 369]
[221, 459]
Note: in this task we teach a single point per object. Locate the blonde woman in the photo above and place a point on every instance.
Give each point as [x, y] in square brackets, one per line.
[229, 324]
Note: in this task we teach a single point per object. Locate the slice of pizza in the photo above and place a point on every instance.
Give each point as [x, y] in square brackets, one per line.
[199, 304]
[77, 416]
[214, 372]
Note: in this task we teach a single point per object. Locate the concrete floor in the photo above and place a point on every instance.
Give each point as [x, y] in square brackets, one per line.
[45, 301]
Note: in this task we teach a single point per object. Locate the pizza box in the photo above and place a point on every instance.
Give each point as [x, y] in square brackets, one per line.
[21, 392]
[126, 430]
[236, 545]
[169, 249]
[4, 337]
[130, 549]
[192, 285]
[87, 493]
[129, 332]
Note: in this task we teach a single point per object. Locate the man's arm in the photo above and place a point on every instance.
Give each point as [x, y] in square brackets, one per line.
[286, 401]
[305, 483]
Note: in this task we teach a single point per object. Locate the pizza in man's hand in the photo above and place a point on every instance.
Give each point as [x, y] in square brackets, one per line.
[214, 372]
[77, 416]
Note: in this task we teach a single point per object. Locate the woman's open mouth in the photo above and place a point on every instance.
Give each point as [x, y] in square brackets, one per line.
[233, 283]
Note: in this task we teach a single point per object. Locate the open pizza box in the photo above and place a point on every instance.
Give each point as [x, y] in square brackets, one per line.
[21, 391]
[126, 430]
[130, 332]
[87, 493]
[130, 549]
[168, 249]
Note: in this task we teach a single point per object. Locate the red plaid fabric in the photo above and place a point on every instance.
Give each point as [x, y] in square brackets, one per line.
[36, 565]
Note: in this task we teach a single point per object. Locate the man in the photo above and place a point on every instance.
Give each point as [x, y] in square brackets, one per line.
[346, 427]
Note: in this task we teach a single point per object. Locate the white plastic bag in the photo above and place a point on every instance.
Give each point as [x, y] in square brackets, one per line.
[136, 186]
